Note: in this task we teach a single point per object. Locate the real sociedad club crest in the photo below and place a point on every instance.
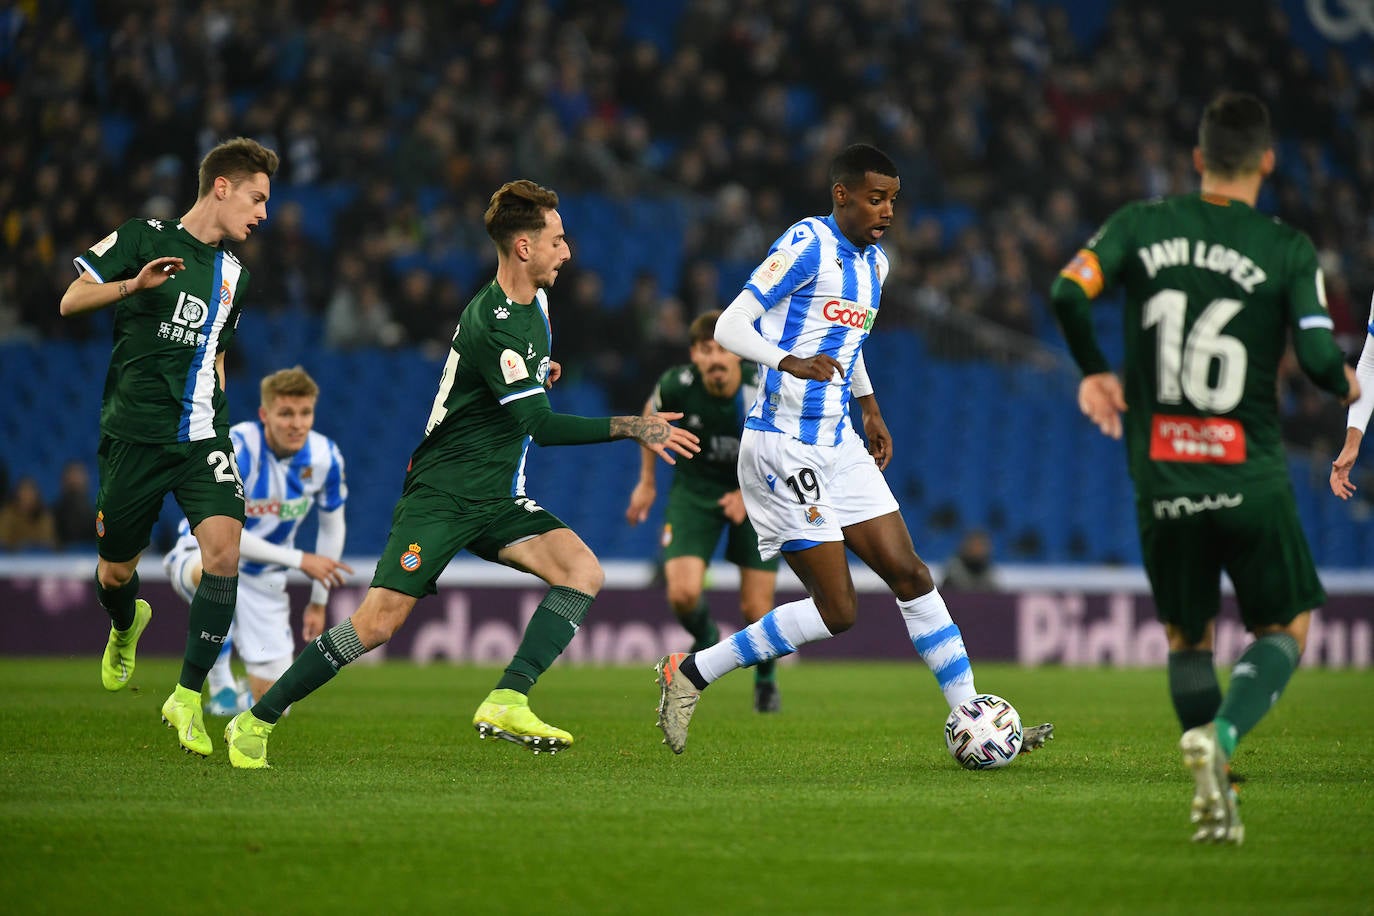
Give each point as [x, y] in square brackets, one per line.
[410, 560]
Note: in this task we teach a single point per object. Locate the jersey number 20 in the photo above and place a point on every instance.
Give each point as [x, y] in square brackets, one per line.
[1185, 366]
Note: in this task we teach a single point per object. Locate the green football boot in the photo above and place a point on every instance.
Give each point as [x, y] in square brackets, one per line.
[246, 736]
[507, 714]
[117, 664]
[182, 712]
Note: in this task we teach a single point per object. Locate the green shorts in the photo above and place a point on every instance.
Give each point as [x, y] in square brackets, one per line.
[1252, 533]
[429, 527]
[691, 528]
[135, 478]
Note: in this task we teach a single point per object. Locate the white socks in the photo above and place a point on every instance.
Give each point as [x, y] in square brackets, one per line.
[940, 644]
[779, 632]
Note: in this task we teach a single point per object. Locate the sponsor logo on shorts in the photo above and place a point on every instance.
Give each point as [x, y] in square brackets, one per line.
[1183, 506]
[410, 560]
[100, 524]
[814, 517]
[1196, 440]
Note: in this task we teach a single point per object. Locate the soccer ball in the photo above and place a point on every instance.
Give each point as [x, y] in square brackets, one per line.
[983, 732]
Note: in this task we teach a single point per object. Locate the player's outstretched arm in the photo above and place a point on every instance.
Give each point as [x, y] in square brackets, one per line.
[86, 293]
[657, 434]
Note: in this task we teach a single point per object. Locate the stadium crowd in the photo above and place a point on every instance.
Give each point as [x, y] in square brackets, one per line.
[1014, 136]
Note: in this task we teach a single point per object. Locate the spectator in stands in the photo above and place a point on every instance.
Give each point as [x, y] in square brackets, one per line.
[971, 568]
[358, 315]
[25, 522]
[74, 510]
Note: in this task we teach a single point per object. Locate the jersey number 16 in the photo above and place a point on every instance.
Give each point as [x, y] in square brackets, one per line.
[1185, 366]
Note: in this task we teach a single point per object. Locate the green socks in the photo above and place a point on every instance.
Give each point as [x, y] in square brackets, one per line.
[311, 670]
[704, 631]
[763, 671]
[212, 610]
[118, 602]
[552, 627]
[1193, 687]
[1257, 680]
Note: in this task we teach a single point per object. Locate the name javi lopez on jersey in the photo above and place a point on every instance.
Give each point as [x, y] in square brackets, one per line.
[1181, 252]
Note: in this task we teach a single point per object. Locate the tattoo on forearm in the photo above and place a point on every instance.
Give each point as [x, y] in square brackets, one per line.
[647, 430]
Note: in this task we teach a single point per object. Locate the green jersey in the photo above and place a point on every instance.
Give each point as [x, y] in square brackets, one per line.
[717, 422]
[1213, 289]
[491, 402]
[161, 386]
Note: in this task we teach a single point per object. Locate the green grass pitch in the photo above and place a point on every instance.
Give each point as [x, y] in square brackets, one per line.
[383, 800]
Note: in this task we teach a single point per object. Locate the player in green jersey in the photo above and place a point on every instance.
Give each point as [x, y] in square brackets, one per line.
[1213, 292]
[178, 294]
[465, 488]
[713, 395]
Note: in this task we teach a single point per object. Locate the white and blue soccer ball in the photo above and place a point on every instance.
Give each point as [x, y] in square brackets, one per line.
[983, 732]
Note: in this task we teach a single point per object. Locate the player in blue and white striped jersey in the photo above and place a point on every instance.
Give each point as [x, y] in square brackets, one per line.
[810, 486]
[287, 468]
[1357, 418]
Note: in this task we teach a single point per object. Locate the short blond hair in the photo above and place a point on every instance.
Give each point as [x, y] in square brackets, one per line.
[288, 383]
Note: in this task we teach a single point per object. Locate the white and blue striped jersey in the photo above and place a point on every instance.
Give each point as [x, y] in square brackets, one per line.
[279, 492]
[820, 294]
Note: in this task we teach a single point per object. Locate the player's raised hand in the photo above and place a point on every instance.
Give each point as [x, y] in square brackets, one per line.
[641, 501]
[156, 272]
[324, 570]
[657, 434]
[1101, 399]
[555, 372]
[818, 368]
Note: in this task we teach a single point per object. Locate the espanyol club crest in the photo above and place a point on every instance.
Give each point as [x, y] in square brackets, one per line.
[100, 524]
[410, 560]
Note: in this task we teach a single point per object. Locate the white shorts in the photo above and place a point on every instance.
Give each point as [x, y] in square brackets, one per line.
[800, 495]
[261, 631]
